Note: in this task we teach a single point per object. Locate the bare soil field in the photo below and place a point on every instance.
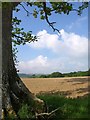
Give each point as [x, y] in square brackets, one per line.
[70, 86]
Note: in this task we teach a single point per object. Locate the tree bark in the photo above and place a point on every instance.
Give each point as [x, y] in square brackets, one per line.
[14, 91]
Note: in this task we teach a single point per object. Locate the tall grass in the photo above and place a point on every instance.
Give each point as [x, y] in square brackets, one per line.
[70, 109]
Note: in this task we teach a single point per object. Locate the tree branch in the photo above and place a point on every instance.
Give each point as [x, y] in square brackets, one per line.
[18, 37]
[25, 10]
[46, 17]
[22, 40]
[47, 115]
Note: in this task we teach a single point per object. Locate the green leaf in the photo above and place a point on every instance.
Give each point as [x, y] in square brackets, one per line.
[42, 17]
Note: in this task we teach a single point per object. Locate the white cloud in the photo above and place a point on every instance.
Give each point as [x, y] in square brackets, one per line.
[68, 43]
[75, 45]
[40, 64]
[71, 51]
[45, 40]
[44, 65]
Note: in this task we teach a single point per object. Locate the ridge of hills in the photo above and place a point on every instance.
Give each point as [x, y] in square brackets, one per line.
[55, 74]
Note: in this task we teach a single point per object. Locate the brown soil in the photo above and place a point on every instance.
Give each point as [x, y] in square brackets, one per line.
[70, 87]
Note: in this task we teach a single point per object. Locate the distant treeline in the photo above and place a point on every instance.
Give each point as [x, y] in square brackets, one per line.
[56, 74]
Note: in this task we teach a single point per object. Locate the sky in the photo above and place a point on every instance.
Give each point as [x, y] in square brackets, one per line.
[66, 52]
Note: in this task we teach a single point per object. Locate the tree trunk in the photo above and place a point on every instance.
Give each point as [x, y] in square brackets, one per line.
[14, 91]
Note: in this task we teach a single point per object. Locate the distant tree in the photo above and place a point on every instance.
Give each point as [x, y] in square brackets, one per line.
[33, 76]
[14, 91]
[56, 74]
[43, 76]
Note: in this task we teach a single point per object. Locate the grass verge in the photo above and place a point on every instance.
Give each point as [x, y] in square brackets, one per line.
[70, 108]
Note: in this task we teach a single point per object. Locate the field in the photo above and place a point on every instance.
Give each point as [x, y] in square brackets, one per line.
[50, 90]
[70, 86]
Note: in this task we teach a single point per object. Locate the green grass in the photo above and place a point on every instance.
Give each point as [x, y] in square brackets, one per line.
[70, 109]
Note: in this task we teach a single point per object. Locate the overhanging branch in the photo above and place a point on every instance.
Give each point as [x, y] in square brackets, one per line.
[46, 17]
[25, 10]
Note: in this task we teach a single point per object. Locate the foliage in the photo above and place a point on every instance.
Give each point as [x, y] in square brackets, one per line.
[15, 51]
[10, 117]
[18, 34]
[45, 10]
[25, 112]
[76, 74]
[71, 74]
[43, 76]
[55, 74]
[71, 108]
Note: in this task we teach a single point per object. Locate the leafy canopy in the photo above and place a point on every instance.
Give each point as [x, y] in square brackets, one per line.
[45, 10]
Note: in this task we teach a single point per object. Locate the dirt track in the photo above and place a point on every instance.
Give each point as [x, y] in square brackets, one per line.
[70, 87]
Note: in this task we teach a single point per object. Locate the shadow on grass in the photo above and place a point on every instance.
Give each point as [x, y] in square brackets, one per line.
[70, 108]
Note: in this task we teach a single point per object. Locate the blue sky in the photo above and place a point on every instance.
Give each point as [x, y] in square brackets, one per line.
[52, 52]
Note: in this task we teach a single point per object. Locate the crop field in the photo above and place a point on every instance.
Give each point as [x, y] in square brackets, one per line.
[69, 87]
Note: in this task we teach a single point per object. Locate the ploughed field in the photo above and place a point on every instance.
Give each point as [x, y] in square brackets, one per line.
[68, 86]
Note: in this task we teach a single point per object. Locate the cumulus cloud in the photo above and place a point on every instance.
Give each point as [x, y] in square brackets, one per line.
[76, 45]
[46, 40]
[71, 51]
[67, 43]
[40, 64]
[44, 65]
